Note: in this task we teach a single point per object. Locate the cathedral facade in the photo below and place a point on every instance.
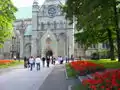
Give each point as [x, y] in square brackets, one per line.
[47, 32]
[51, 32]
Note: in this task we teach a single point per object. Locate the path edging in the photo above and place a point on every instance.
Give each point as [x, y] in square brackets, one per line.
[66, 76]
[70, 87]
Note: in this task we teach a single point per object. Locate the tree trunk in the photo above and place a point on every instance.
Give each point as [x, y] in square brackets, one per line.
[117, 29]
[112, 55]
[118, 44]
[84, 53]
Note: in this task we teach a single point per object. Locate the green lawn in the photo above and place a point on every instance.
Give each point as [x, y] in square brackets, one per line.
[15, 63]
[70, 72]
[108, 63]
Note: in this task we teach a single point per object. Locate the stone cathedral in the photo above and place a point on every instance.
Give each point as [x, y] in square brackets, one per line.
[47, 32]
[51, 33]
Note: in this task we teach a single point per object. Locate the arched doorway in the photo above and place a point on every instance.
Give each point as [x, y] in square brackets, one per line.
[49, 53]
[48, 42]
[27, 50]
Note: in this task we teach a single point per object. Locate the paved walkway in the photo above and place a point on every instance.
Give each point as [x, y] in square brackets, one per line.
[24, 79]
[4, 70]
[52, 78]
[57, 80]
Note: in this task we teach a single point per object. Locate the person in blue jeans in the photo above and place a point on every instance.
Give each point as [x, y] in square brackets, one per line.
[37, 60]
[31, 62]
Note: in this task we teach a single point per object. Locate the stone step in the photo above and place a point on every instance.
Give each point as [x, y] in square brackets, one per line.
[81, 78]
[89, 76]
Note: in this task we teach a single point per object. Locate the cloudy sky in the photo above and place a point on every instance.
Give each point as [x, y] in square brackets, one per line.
[25, 3]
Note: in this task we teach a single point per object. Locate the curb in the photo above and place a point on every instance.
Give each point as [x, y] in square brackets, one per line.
[70, 87]
[66, 74]
[79, 78]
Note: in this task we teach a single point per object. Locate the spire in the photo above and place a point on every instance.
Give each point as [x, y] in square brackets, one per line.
[35, 6]
[35, 2]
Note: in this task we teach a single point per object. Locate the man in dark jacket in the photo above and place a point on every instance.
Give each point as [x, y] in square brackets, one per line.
[25, 62]
[43, 61]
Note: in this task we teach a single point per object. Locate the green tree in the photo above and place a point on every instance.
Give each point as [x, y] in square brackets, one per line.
[85, 38]
[99, 16]
[7, 17]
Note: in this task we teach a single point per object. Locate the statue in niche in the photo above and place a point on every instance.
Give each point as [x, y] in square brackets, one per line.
[48, 41]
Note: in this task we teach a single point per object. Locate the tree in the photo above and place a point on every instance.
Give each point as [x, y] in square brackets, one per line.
[98, 16]
[7, 17]
[84, 38]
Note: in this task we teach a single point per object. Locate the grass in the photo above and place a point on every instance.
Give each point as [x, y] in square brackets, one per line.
[108, 63]
[79, 87]
[15, 63]
[70, 72]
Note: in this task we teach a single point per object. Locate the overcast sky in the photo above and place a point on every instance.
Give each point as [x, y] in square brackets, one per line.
[25, 3]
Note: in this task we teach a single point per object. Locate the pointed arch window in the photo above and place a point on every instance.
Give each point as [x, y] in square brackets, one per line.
[42, 26]
[48, 23]
[61, 24]
[57, 25]
[54, 24]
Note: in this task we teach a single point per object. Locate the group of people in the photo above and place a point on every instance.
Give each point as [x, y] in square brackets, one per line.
[31, 62]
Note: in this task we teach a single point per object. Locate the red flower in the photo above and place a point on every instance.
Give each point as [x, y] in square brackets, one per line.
[106, 80]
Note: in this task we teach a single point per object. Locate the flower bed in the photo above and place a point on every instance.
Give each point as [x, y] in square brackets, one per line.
[109, 80]
[6, 62]
[86, 67]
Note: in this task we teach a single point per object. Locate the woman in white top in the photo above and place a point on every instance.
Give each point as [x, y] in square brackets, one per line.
[38, 60]
[31, 61]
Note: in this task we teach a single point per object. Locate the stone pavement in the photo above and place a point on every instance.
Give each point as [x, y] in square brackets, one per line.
[24, 79]
[57, 80]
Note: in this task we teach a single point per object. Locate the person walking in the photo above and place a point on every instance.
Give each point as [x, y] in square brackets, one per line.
[37, 60]
[54, 59]
[25, 62]
[34, 62]
[61, 60]
[28, 63]
[48, 61]
[43, 61]
[51, 59]
[66, 59]
[72, 57]
[31, 61]
[14, 57]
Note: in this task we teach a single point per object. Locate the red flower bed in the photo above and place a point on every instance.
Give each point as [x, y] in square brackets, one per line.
[109, 80]
[86, 67]
[3, 62]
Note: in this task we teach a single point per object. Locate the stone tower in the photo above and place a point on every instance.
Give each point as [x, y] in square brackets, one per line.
[35, 10]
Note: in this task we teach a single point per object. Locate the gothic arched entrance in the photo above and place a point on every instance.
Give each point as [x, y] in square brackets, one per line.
[49, 53]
